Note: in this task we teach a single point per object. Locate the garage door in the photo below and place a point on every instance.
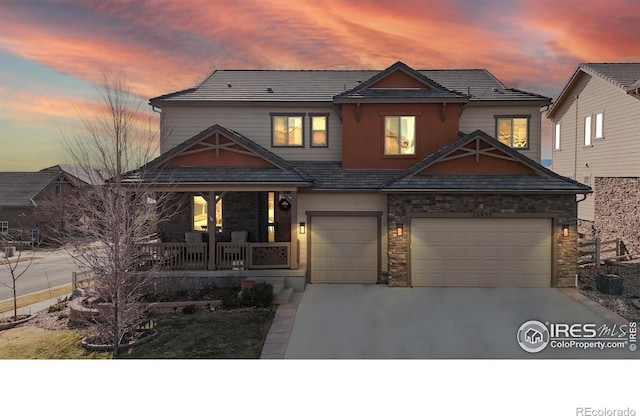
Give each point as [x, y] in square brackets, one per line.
[480, 252]
[344, 249]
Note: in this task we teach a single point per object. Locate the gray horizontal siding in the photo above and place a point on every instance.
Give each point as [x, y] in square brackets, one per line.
[482, 117]
[617, 154]
[181, 123]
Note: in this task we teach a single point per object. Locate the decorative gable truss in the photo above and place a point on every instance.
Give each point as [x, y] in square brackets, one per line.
[478, 162]
[216, 144]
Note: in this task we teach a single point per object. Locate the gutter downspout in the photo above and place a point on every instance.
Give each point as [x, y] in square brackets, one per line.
[584, 196]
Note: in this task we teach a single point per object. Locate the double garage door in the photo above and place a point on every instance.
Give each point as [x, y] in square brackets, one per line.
[344, 249]
[481, 252]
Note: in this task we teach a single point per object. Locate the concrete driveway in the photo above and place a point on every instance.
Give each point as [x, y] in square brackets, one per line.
[375, 321]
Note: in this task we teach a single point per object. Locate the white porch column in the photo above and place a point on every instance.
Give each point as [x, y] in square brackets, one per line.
[211, 229]
[293, 255]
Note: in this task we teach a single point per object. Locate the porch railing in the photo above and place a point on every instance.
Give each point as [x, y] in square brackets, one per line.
[174, 256]
[230, 256]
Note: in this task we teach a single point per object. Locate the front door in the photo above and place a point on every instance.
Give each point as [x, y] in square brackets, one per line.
[283, 219]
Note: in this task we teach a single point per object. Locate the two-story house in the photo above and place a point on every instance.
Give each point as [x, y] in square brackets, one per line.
[400, 176]
[596, 120]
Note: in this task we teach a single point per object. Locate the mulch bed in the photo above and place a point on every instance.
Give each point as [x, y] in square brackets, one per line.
[620, 304]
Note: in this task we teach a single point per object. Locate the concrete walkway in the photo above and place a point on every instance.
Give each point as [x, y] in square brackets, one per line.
[375, 321]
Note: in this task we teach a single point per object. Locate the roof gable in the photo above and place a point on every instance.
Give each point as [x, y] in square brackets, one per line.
[22, 188]
[402, 72]
[476, 154]
[399, 83]
[213, 154]
[625, 76]
[210, 146]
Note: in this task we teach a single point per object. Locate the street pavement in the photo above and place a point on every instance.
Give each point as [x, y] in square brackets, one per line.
[50, 268]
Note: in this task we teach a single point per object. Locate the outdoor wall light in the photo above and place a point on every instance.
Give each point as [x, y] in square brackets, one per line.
[565, 231]
[400, 230]
[303, 228]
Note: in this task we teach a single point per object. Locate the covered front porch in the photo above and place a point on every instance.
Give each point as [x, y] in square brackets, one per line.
[228, 230]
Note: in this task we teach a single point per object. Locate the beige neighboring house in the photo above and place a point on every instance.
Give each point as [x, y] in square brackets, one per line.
[596, 132]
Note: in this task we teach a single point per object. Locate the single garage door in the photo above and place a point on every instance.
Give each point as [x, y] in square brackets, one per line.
[344, 249]
[481, 252]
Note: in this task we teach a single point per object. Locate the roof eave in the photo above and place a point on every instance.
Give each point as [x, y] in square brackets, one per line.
[540, 102]
[363, 100]
[494, 191]
[239, 103]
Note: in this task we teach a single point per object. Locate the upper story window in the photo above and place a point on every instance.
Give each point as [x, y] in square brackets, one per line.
[319, 130]
[513, 131]
[557, 138]
[587, 131]
[287, 130]
[599, 125]
[4, 226]
[400, 135]
[58, 189]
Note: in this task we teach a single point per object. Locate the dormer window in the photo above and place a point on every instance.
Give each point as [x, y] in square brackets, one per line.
[399, 135]
[287, 130]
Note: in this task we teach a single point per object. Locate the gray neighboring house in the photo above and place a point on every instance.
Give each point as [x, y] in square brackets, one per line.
[596, 125]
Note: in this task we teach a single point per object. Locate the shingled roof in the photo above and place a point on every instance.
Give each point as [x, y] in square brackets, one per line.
[625, 76]
[20, 189]
[272, 86]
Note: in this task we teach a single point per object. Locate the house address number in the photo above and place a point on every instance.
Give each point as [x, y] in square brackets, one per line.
[482, 214]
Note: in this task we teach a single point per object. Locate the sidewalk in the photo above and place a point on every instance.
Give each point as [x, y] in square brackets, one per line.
[34, 308]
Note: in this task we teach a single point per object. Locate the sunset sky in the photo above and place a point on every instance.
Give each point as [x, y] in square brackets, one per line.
[52, 52]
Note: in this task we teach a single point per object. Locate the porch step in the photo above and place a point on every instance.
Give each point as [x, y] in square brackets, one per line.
[284, 296]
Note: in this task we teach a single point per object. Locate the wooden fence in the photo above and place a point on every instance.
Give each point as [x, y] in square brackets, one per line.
[594, 251]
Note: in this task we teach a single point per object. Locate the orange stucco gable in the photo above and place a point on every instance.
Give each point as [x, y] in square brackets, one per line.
[217, 150]
[399, 79]
[477, 157]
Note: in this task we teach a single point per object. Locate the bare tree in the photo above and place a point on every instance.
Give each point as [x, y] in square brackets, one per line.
[17, 266]
[104, 224]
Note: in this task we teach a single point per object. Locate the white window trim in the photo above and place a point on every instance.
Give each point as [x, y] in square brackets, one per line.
[557, 137]
[4, 226]
[587, 131]
[600, 126]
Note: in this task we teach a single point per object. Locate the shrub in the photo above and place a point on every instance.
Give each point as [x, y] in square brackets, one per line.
[230, 301]
[260, 295]
[189, 309]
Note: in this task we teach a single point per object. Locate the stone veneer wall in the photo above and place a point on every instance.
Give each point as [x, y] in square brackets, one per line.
[564, 206]
[585, 227]
[617, 210]
[239, 211]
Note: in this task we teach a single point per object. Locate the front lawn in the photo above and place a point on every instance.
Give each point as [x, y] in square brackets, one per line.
[236, 333]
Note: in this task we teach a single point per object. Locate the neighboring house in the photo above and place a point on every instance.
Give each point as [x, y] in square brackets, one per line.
[596, 125]
[21, 193]
[405, 177]
[80, 176]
